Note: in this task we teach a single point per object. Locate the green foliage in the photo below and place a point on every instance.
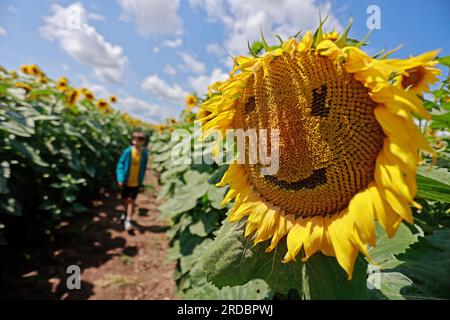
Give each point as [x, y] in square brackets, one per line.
[214, 260]
[257, 47]
[412, 266]
[191, 204]
[54, 157]
[233, 260]
[434, 184]
[415, 263]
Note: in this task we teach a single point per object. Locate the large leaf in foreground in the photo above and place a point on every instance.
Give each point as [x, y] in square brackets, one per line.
[232, 260]
[419, 271]
[433, 184]
[427, 264]
[253, 290]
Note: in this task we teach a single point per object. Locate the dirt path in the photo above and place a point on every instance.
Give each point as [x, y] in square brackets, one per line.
[114, 264]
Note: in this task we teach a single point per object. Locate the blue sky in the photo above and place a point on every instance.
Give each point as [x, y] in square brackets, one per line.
[151, 53]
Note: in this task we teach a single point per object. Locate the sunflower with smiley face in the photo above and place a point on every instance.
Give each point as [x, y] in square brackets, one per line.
[348, 145]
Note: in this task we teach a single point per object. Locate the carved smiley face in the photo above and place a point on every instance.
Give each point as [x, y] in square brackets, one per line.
[328, 135]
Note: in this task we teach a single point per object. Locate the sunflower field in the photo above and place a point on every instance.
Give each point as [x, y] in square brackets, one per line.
[360, 205]
[57, 145]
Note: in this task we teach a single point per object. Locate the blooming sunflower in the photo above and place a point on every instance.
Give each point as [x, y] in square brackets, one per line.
[72, 97]
[42, 79]
[13, 74]
[31, 70]
[23, 85]
[113, 99]
[191, 101]
[347, 143]
[418, 72]
[102, 104]
[87, 94]
[62, 84]
[202, 113]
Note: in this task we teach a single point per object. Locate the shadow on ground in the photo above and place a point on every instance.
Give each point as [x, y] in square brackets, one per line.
[39, 271]
[114, 264]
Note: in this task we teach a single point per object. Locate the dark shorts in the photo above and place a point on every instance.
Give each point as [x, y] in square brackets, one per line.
[130, 192]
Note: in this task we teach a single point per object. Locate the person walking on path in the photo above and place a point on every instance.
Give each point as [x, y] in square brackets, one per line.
[130, 173]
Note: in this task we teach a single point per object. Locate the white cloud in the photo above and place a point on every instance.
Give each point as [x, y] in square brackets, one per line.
[141, 109]
[99, 90]
[96, 16]
[156, 50]
[65, 67]
[191, 64]
[12, 9]
[200, 84]
[173, 43]
[162, 89]
[2, 31]
[242, 19]
[69, 27]
[152, 16]
[168, 69]
[214, 49]
[138, 108]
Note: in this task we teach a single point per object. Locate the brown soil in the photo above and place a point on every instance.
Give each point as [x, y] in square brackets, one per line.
[115, 264]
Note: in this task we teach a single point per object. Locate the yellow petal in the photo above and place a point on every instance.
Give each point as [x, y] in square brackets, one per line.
[401, 151]
[356, 60]
[328, 48]
[268, 225]
[401, 128]
[395, 98]
[285, 224]
[326, 247]
[390, 177]
[242, 208]
[340, 234]
[296, 237]
[313, 241]
[254, 220]
[399, 205]
[388, 219]
[306, 42]
[361, 208]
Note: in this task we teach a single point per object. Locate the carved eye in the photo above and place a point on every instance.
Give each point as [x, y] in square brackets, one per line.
[319, 105]
[250, 105]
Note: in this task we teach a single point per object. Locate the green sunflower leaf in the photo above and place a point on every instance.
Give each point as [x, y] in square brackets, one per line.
[197, 183]
[441, 121]
[233, 260]
[253, 290]
[433, 184]
[386, 249]
[177, 205]
[444, 61]
[422, 271]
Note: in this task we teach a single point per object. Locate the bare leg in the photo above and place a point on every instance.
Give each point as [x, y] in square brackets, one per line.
[129, 212]
[129, 208]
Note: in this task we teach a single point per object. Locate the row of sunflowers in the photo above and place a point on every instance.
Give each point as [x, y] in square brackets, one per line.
[360, 205]
[58, 144]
